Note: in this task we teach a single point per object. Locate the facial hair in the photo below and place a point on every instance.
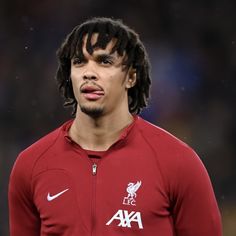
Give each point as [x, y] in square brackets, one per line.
[93, 112]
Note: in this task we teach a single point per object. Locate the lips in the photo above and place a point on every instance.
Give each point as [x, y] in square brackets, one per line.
[92, 92]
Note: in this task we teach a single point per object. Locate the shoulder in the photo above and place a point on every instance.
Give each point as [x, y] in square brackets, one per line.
[159, 138]
[172, 155]
[27, 159]
[41, 146]
[179, 164]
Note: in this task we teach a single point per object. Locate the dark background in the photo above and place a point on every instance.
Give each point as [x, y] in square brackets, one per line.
[192, 48]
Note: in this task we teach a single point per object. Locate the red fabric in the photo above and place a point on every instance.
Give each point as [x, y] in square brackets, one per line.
[175, 196]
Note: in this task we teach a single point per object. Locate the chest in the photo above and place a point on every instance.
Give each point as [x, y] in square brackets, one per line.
[122, 191]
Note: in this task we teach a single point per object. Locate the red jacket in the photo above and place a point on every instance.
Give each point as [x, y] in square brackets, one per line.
[148, 183]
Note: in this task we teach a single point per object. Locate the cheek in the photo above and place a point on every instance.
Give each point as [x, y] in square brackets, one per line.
[116, 87]
[118, 82]
[75, 75]
[117, 77]
[75, 79]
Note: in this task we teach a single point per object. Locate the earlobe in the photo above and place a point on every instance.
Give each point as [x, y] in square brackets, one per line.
[132, 78]
[130, 83]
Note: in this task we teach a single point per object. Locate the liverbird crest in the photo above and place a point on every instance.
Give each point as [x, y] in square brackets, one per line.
[131, 189]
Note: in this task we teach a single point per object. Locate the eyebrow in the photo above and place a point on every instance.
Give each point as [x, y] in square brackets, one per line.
[105, 55]
[97, 56]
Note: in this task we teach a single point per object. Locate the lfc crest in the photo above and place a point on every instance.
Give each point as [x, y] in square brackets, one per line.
[131, 190]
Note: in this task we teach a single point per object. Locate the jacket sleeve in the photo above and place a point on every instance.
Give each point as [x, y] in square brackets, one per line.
[195, 209]
[23, 216]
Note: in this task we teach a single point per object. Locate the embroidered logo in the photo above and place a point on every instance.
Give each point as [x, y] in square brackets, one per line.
[125, 218]
[52, 197]
[131, 189]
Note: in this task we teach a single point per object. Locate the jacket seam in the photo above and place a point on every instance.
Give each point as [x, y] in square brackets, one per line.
[36, 161]
[157, 162]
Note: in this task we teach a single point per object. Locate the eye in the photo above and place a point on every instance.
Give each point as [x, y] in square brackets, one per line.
[77, 61]
[105, 60]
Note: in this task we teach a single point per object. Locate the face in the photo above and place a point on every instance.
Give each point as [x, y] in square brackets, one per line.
[100, 82]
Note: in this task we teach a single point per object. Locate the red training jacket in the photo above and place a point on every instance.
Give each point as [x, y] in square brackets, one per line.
[148, 183]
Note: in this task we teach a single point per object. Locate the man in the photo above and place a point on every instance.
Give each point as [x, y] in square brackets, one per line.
[108, 172]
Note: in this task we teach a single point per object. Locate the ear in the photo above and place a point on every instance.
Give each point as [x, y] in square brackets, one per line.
[131, 80]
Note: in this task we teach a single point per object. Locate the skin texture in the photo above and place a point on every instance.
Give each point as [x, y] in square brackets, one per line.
[100, 84]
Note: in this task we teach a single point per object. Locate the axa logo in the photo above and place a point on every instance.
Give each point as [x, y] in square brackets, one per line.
[124, 219]
[131, 190]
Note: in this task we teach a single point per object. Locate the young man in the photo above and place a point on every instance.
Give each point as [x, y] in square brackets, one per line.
[108, 172]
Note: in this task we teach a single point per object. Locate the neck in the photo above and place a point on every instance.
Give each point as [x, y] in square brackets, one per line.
[98, 134]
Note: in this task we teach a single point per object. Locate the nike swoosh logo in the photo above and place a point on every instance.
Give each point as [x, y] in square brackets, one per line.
[52, 197]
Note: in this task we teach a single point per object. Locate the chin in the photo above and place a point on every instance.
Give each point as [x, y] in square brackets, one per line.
[93, 112]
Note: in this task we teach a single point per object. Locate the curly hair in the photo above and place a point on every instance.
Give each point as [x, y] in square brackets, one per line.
[127, 41]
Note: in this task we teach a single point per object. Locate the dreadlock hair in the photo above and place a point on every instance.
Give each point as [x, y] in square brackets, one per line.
[127, 41]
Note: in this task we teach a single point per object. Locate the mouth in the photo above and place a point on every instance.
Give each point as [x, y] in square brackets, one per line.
[92, 92]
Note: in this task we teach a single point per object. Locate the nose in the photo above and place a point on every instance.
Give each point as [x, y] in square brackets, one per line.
[89, 76]
[90, 72]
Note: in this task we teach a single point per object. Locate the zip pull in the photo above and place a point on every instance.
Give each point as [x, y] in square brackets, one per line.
[94, 168]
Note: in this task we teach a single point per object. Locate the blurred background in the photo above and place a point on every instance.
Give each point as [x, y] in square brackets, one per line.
[192, 49]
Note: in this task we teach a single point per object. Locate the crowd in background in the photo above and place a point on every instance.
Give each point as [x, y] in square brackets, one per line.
[192, 49]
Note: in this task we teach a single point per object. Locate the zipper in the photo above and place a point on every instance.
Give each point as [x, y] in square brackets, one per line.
[94, 177]
[94, 168]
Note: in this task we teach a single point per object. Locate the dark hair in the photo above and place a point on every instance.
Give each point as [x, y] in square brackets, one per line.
[127, 41]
